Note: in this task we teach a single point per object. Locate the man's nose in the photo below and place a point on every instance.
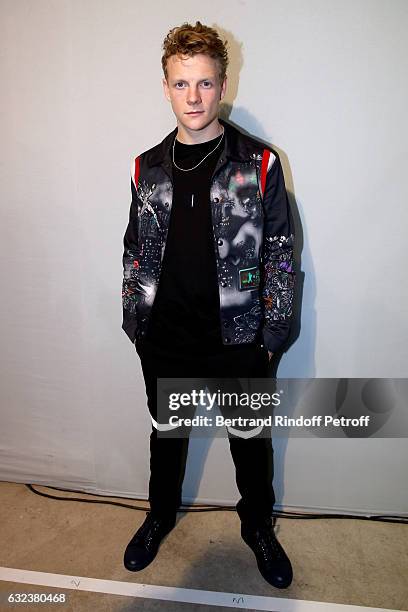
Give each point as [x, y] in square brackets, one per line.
[193, 95]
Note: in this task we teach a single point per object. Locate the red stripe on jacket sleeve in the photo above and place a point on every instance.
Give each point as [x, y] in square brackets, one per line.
[264, 169]
[137, 170]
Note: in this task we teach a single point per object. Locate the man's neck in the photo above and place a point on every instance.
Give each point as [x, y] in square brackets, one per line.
[187, 136]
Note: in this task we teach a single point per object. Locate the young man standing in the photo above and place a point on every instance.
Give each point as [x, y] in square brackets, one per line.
[208, 281]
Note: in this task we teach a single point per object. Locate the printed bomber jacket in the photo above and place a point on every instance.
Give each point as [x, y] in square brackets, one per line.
[253, 240]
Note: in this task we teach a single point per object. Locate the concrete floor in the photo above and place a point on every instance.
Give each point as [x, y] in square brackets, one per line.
[339, 561]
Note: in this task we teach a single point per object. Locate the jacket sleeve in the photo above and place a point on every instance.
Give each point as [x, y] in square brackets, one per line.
[277, 258]
[130, 262]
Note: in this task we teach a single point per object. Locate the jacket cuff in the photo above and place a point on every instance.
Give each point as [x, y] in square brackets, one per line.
[274, 338]
[130, 330]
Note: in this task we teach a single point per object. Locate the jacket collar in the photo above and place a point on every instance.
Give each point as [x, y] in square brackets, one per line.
[234, 147]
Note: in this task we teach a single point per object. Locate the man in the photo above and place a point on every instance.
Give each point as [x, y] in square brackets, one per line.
[208, 281]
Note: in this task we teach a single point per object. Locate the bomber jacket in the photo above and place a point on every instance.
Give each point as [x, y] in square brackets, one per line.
[253, 240]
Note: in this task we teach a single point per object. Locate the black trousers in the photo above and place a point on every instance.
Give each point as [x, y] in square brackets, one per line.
[252, 457]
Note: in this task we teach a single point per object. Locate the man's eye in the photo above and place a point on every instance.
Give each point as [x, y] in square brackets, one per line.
[207, 84]
[179, 85]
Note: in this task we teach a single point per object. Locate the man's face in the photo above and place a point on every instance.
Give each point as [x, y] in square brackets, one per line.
[193, 87]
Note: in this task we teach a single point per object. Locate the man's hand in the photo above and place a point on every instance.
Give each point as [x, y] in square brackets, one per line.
[270, 355]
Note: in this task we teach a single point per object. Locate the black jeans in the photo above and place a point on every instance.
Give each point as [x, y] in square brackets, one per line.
[252, 457]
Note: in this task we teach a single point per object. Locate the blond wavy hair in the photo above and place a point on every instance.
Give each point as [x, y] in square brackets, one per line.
[190, 40]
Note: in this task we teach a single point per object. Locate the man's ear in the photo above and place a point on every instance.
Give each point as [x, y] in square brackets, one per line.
[223, 88]
[166, 89]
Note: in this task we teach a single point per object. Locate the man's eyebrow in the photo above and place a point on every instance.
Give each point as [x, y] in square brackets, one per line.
[175, 80]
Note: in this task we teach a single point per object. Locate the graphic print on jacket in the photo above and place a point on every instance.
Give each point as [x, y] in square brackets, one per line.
[253, 242]
[237, 223]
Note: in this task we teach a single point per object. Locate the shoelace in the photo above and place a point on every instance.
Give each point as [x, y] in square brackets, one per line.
[268, 544]
[147, 532]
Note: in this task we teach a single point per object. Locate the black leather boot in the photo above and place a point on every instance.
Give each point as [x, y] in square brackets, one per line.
[273, 563]
[144, 545]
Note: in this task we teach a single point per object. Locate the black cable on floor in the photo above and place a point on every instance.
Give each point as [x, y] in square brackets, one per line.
[209, 508]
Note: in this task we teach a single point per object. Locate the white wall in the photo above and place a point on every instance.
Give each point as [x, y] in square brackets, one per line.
[326, 84]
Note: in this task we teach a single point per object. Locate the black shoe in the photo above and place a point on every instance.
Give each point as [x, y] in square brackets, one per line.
[272, 560]
[144, 545]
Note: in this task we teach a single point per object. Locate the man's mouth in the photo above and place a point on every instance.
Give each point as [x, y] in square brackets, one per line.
[195, 113]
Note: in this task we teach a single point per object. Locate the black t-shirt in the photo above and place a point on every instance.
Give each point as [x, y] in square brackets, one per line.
[185, 313]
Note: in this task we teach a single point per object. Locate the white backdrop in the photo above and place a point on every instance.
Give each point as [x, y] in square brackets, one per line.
[323, 82]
